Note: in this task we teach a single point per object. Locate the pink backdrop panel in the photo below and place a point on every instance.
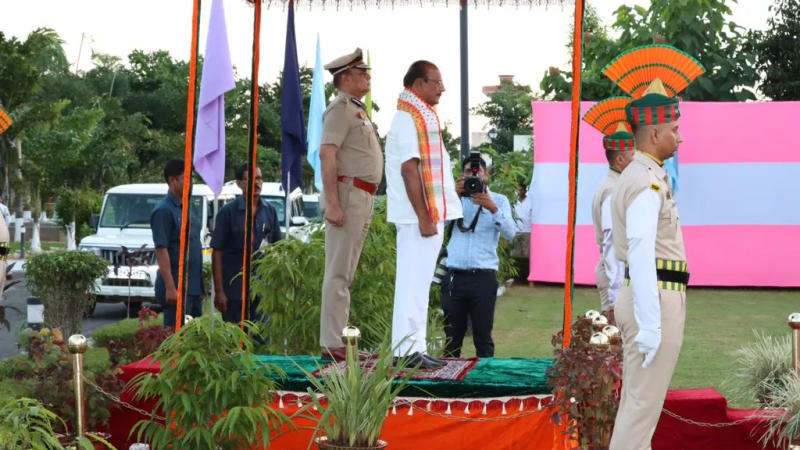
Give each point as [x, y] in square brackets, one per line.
[712, 132]
[720, 255]
[548, 253]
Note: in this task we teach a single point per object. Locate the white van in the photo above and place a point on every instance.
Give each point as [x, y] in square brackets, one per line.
[124, 224]
[274, 194]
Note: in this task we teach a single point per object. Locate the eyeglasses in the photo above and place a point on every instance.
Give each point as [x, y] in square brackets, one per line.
[439, 82]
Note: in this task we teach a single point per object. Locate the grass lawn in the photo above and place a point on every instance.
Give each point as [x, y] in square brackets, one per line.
[718, 322]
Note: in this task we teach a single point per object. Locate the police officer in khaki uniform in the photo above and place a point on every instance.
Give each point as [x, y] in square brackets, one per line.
[651, 307]
[608, 116]
[352, 167]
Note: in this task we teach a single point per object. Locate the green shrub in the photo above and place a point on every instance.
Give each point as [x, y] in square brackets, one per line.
[131, 339]
[217, 394]
[26, 423]
[288, 278]
[123, 329]
[47, 371]
[63, 281]
[78, 205]
[11, 388]
[509, 171]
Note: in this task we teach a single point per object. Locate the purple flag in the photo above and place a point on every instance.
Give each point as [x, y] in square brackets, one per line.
[209, 153]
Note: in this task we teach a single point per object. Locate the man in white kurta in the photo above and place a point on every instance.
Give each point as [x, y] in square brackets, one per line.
[419, 236]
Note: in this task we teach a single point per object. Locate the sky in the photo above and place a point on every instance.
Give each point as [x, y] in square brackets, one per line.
[522, 41]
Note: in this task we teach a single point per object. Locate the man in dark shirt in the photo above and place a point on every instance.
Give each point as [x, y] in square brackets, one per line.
[228, 245]
[165, 222]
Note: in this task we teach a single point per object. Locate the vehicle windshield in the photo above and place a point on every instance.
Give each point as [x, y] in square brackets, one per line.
[279, 204]
[133, 210]
[311, 209]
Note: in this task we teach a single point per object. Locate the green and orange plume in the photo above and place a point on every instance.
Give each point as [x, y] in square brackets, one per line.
[609, 117]
[635, 69]
[653, 75]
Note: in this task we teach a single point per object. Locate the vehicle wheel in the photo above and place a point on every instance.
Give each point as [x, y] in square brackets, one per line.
[133, 309]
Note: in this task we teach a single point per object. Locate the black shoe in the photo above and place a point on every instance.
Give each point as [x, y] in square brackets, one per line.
[418, 360]
[433, 360]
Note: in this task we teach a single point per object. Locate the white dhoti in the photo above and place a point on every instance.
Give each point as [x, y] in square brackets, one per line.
[416, 263]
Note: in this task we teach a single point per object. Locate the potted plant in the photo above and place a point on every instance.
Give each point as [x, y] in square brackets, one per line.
[356, 397]
[587, 378]
[214, 392]
[63, 281]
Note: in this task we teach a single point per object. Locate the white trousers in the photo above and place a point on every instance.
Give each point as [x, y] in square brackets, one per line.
[416, 263]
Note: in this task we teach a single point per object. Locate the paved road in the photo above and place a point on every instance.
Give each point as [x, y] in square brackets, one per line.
[16, 314]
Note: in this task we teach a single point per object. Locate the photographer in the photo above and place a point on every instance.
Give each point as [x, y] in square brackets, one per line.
[469, 289]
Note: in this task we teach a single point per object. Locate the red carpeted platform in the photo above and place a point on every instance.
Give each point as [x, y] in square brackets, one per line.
[709, 406]
[514, 422]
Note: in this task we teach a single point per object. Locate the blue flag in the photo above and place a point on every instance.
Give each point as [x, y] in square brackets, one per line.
[293, 133]
[671, 166]
[315, 111]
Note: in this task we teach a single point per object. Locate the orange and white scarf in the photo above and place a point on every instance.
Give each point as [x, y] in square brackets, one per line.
[431, 151]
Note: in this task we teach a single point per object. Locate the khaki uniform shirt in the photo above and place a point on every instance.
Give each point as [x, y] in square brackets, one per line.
[609, 271]
[645, 173]
[600, 196]
[345, 124]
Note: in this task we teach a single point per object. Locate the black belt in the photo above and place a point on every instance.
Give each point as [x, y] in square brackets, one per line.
[472, 271]
[673, 276]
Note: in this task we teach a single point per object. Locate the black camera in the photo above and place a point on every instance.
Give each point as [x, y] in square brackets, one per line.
[473, 184]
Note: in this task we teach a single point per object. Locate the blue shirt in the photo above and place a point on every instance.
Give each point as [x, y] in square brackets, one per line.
[229, 239]
[165, 222]
[478, 249]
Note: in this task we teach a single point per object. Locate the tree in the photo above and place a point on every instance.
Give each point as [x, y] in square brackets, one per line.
[778, 52]
[509, 111]
[23, 65]
[56, 159]
[698, 27]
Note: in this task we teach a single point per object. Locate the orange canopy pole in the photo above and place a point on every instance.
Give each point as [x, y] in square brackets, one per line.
[187, 170]
[577, 59]
[247, 258]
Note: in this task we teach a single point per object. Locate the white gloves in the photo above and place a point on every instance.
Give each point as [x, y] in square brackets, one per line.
[648, 342]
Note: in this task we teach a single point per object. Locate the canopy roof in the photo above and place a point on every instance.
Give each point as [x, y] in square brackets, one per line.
[352, 4]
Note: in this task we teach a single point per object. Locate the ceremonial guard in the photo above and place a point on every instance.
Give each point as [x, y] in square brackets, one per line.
[609, 118]
[651, 307]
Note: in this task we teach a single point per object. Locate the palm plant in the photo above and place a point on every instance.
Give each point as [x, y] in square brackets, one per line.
[784, 422]
[357, 398]
[762, 366]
